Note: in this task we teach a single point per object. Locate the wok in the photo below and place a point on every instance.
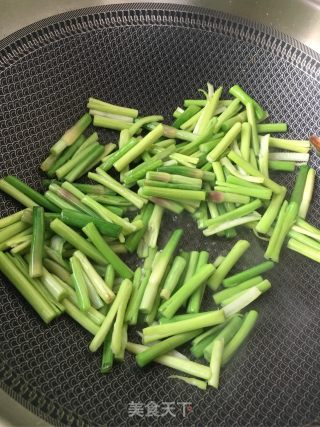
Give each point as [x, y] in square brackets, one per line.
[152, 57]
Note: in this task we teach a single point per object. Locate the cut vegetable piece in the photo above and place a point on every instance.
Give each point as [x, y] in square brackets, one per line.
[107, 214]
[130, 312]
[271, 212]
[111, 200]
[139, 123]
[226, 141]
[163, 347]
[93, 112]
[207, 112]
[175, 179]
[240, 117]
[230, 225]
[178, 317]
[103, 178]
[307, 193]
[156, 332]
[276, 188]
[169, 308]
[116, 340]
[66, 155]
[188, 172]
[80, 317]
[194, 302]
[255, 190]
[68, 199]
[225, 334]
[229, 112]
[11, 219]
[291, 157]
[55, 268]
[304, 239]
[153, 228]
[199, 139]
[93, 157]
[200, 343]
[226, 265]
[186, 366]
[241, 301]
[49, 162]
[264, 155]
[232, 214]
[173, 194]
[229, 292]
[101, 287]
[108, 254]
[229, 167]
[158, 271]
[192, 381]
[133, 239]
[75, 161]
[12, 230]
[215, 362]
[107, 355]
[92, 139]
[299, 185]
[139, 148]
[37, 244]
[168, 185]
[290, 145]
[248, 274]
[262, 287]
[185, 115]
[109, 123]
[281, 165]
[79, 220]
[303, 249]
[253, 124]
[124, 291]
[60, 202]
[52, 284]
[238, 92]
[245, 329]
[231, 196]
[271, 127]
[245, 140]
[30, 192]
[111, 108]
[80, 285]
[71, 135]
[305, 227]
[140, 171]
[76, 240]
[16, 194]
[112, 158]
[23, 285]
[286, 219]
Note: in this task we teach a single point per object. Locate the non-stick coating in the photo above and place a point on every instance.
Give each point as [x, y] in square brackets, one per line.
[152, 59]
